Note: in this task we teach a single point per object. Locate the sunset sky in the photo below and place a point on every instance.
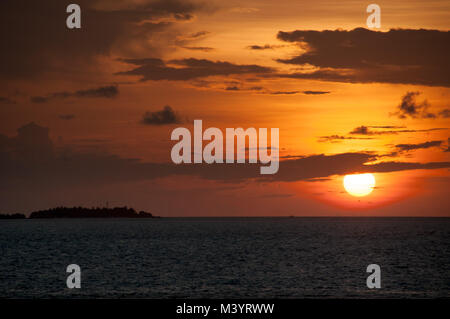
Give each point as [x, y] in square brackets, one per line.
[347, 99]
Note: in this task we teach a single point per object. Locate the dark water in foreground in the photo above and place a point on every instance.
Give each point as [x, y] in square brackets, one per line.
[226, 258]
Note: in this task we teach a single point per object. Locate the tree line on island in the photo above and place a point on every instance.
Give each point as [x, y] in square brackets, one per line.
[82, 212]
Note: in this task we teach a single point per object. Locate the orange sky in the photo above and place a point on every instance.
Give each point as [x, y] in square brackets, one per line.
[333, 92]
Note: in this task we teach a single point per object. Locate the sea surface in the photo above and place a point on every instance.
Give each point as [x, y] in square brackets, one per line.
[225, 257]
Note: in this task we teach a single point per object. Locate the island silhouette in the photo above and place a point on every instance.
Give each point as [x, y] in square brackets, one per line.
[12, 216]
[83, 212]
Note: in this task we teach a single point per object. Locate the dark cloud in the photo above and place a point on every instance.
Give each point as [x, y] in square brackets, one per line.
[390, 154]
[297, 92]
[315, 92]
[104, 91]
[241, 87]
[387, 167]
[40, 99]
[410, 147]
[448, 145]
[386, 126]
[100, 92]
[183, 16]
[445, 113]
[264, 47]
[184, 40]
[166, 116]
[338, 138]
[32, 143]
[187, 69]
[363, 56]
[322, 166]
[6, 100]
[38, 40]
[31, 161]
[199, 34]
[190, 41]
[67, 117]
[409, 107]
[284, 92]
[365, 130]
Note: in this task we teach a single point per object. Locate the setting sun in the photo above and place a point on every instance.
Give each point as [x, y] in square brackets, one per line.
[359, 184]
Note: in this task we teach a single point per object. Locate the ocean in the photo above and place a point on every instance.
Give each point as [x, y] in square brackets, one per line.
[225, 257]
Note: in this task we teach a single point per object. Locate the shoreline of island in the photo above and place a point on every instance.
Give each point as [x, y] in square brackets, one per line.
[82, 212]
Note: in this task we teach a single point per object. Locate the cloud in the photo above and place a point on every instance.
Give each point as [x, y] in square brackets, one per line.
[448, 145]
[232, 88]
[100, 92]
[187, 69]
[338, 138]
[321, 166]
[105, 91]
[32, 143]
[190, 41]
[386, 126]
[387, 167]
[66, 117]
[39, 42]
[239, 87]
[284, 92]
[410, 147]
[404, 56]
[199, 34]
[365, 130]
[297, 92]
[6, 100]
[445, 113]
[316, 92]
[183, 16]
[409, 107]
[264, 47]
[186, 38]
[166, 116]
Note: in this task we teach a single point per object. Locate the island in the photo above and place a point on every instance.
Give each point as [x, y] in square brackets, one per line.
[82, 212]
[12, 216]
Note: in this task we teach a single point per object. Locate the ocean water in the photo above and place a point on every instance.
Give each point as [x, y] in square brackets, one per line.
[225, 257]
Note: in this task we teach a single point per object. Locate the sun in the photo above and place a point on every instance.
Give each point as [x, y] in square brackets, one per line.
[359, 184]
